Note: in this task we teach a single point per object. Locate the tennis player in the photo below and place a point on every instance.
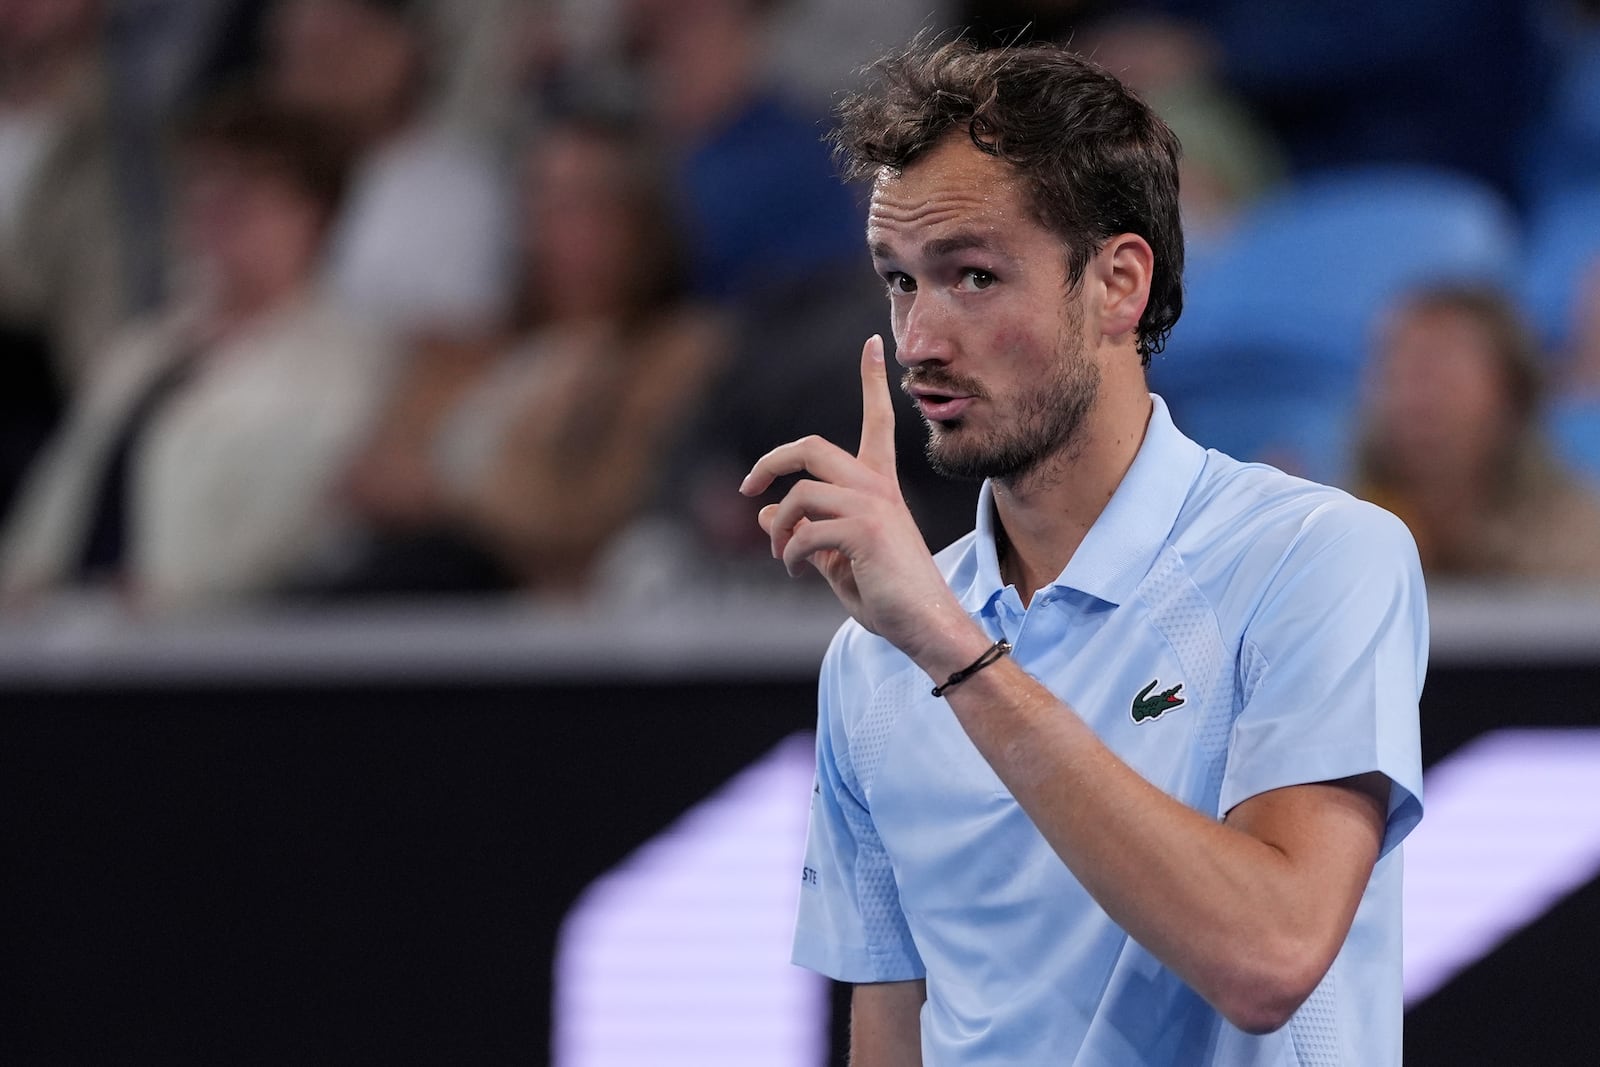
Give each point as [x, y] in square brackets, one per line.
[1120, 777]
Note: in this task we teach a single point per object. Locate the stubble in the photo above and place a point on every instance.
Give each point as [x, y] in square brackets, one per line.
[1035, 426]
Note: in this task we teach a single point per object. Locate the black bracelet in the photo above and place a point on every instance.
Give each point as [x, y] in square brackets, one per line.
[996, 650]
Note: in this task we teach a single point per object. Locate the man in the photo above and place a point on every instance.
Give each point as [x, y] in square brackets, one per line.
[1148, 812]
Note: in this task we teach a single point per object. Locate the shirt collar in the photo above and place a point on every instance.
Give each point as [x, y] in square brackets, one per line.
[1121, 546]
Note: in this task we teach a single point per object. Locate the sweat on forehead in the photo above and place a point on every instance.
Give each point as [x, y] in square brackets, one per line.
[950, 180]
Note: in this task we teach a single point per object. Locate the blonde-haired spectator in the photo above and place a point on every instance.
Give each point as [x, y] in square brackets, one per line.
[1453, 444]
[518, 461]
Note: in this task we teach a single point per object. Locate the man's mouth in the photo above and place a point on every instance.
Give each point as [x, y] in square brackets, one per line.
[939, 406]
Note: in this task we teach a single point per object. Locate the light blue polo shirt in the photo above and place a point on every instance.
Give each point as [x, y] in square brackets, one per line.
[1226, 629]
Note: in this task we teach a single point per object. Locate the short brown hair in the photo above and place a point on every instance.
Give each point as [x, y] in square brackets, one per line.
[1096, 160]
[287, 141]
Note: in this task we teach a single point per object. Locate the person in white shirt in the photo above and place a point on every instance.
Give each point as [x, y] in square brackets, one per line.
[197, 465]
[423, 241]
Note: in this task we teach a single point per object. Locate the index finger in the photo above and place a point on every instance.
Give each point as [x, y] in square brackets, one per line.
[877, 409]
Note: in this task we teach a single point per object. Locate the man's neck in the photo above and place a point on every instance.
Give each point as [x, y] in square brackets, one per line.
[1042, 517]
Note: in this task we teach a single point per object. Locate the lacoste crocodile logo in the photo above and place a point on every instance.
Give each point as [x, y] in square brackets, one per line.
[1147, 707]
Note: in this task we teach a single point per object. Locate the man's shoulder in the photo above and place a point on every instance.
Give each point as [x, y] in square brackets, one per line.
[1258, 507]
[1248, 527]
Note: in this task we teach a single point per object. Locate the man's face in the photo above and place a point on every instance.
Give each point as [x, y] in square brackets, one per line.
[984, 322]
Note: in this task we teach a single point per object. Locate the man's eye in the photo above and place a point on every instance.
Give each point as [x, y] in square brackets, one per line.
[974, 278]
[901, 283]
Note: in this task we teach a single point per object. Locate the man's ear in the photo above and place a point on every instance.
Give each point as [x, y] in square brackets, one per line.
[1123, 266]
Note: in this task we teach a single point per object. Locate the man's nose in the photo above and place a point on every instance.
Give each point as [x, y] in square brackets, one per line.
[924, 333]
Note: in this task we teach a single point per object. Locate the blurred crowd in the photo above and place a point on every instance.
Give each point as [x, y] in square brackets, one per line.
[323, 299]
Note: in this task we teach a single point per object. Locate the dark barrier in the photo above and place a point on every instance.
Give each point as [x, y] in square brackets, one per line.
[212, 856]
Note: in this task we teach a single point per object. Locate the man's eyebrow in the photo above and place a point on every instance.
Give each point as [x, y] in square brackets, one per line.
[962, 241]
[938, 247]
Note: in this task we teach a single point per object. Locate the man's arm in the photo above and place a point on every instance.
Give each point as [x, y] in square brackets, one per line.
[1249, 911]
[885, 1027]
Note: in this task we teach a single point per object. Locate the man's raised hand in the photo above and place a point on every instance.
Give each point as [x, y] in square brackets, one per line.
[851, 523]
[876, 450]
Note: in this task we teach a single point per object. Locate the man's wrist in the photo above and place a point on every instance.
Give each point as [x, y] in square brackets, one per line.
[990, 657]
[952, 648]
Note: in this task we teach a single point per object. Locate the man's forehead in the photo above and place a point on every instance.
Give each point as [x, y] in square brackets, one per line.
[949, 187]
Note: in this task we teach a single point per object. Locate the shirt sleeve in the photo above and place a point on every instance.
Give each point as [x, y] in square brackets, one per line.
[1332, 665]
[850, 925]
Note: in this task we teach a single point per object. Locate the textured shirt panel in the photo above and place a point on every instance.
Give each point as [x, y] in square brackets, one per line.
[1188, 621]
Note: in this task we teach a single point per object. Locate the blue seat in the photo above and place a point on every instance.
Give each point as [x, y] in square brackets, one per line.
[1266, 361]
[1574, 426]
[1563, 244]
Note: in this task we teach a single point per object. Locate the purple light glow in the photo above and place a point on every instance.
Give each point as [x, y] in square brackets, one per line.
[680, 954]
[1512, 826]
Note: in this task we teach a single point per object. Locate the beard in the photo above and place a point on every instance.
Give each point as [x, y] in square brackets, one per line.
[1042, 423]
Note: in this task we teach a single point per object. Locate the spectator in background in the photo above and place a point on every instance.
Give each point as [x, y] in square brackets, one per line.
[1229, 157]
[1452, 444]
[195, 465]
[516, 462]
[762, 204]
[421, 243]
